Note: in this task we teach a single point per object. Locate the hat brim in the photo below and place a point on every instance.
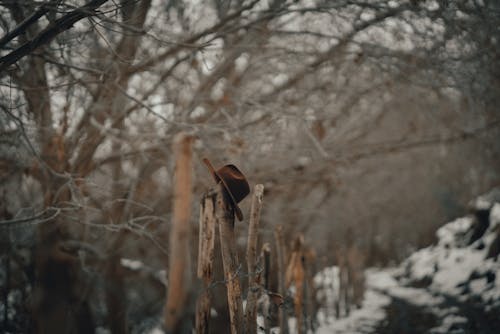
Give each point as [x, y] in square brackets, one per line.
[218, 179]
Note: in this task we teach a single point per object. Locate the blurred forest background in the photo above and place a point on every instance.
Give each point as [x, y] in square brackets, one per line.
[368, 122]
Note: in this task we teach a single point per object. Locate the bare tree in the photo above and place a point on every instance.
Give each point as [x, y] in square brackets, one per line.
[338, 107]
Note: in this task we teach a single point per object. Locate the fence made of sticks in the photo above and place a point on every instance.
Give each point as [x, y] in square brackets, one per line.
[279, 275]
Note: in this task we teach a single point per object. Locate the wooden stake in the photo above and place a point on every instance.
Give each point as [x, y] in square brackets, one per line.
[310, 293]
[224, 213]
[205, 260]
[281, 255]
[179, 270]
[265, 255]
[295, 273]
[253, 276]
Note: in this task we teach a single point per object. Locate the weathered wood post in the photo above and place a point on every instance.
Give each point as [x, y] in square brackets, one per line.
[309, 255]
[224, 213]
[232, 187]
[295, 273]
[265, 255]
[281, 259]
[179, 269]
[253, 274]
[206, 245]
[355, 261]
[343, 283]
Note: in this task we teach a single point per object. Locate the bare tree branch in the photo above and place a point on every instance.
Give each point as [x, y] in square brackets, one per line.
[21, 28]
[55, 28]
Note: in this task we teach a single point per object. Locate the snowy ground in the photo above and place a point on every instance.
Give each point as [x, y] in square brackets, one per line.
[450, 287]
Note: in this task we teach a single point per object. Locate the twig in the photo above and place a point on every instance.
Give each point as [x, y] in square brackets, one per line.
[33, 220]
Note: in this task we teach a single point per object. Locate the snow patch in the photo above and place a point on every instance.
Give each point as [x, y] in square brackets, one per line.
[131, 264]
[448, 324]
[452, 234]
[361, 320]
[495, 216]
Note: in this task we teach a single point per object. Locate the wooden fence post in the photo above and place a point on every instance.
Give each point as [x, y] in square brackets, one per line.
[295, 273]
[310, 309]
[281, 257]
[253, 275]
[206, 245]
[224, 213]
[265, 255]
[179, 269]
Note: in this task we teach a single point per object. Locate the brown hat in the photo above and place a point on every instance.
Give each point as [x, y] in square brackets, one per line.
[234, 183]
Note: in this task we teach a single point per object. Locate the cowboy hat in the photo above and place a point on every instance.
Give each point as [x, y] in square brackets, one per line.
[234, 183]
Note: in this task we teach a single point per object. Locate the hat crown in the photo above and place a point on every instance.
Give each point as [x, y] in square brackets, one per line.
[235, 181]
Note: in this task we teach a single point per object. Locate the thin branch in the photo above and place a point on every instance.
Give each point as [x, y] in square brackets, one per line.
[149, 109]
[156, 149]
[399, 146]
[324, 57]
[190, 42]
[316, 143]
[33, 220]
